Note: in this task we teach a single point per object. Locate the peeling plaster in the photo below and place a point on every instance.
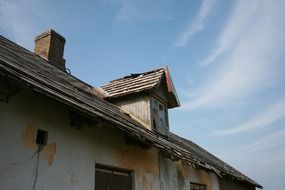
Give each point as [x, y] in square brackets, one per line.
[29, 136]
[204, 178]
[49, 153]
[145, 163]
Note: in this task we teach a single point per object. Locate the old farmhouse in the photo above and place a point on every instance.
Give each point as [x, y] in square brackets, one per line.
[58, 132]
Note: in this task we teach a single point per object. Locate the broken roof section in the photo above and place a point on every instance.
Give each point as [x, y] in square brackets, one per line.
[141, 82]
[34, 72]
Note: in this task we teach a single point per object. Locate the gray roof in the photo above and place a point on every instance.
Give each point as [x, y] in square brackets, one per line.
[206, 157]
[133, 83]
[138, 82]
[34, 72]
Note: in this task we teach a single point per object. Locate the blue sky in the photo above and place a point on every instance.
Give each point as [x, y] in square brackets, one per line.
[226, 59]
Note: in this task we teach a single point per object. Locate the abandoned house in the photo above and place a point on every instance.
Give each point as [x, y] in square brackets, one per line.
[58, 132]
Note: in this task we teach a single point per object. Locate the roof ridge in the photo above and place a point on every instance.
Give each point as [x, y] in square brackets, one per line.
[134, 75]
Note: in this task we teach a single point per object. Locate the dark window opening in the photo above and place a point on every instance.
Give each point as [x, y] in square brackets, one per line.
[108, 178]
[154, 124]
[197, 186]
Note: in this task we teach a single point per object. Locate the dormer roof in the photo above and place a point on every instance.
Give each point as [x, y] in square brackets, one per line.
[139, 82]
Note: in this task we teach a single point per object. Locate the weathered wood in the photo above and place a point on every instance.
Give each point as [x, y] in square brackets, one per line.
[137, 105]
[146, 81]
[135, 79]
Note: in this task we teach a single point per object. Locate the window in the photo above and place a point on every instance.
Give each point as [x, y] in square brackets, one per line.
[197, 186]
[160, 120]
[108, 178]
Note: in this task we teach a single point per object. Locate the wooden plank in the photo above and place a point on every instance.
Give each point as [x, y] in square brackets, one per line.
[122, 83]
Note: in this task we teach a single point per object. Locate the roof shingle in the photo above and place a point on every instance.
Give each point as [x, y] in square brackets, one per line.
[138, 82]
[133, 83]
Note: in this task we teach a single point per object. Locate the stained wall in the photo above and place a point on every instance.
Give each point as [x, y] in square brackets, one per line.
[69, 159]
[177, 175]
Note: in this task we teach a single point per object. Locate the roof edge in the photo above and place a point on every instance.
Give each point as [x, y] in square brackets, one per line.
[173, 100]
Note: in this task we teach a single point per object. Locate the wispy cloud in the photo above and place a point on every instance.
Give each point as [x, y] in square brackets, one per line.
[235, 29]
[269, 116]
[264, 154]
[248, 51]
[274, 139]
[267, 146]
[197, 24]
[130, 10]
[269, 158]
[127, 10]
[16, 20]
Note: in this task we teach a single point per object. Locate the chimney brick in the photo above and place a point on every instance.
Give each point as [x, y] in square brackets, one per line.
[50, 46]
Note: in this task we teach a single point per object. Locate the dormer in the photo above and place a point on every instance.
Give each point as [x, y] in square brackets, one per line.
[144, 96]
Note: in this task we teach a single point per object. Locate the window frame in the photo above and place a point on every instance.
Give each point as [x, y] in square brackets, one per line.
[197, 186]
[112, 170]
[157, 112]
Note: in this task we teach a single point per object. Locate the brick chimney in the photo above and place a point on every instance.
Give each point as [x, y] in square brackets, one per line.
[50, 46]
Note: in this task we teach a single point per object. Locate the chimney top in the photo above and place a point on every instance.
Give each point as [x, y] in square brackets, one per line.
[50, 32]
[50, 46]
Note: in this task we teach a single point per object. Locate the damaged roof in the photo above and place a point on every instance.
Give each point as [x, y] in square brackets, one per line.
[34, 72]
[206, 157]
[138, 82]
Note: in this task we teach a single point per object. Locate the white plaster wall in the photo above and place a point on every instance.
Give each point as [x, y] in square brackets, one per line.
[168, 174]
[73, 164]
[77, 150]
[177, 176]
